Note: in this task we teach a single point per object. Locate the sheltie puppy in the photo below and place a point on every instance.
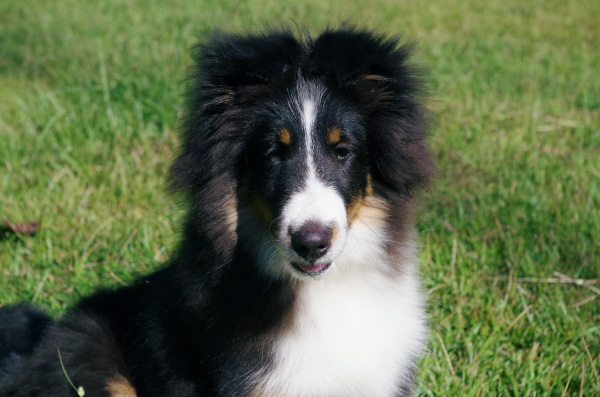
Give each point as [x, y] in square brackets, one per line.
[297, 273]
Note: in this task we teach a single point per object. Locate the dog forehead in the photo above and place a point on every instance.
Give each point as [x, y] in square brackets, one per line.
[312, 112]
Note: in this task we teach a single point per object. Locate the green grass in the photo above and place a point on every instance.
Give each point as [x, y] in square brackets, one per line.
[89, 98]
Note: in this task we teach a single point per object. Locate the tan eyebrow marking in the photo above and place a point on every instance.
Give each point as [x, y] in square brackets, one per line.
[285, 136]
[334, 135]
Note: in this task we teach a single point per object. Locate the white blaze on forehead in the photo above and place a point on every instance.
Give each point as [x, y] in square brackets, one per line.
[308, 120]
[309, 98]
[308, 113]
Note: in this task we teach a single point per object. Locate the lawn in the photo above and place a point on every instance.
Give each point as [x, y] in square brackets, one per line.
[510, 233]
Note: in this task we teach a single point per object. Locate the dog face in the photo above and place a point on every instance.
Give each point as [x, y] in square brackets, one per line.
[307, 172]
[302, 154]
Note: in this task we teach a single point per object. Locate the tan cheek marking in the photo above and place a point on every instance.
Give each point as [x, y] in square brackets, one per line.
[355, 205]
[285, 136]
[334, 135]
[370, 209]
[119, 386]
[353, 209]
[372, 213]
[334, 233]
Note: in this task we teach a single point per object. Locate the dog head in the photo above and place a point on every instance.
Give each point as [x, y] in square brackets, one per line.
[303, 154]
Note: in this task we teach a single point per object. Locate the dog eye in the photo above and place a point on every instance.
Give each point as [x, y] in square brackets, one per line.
[342, 152]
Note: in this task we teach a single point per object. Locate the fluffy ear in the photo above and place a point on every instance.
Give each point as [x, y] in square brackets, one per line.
[234, 69]
[374, 72]
[353, 55]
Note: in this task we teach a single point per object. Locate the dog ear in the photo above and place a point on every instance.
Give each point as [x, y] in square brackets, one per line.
[374, 72]
[238, 69]
[352, 56]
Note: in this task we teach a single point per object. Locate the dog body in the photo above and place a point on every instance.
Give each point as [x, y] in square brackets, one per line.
[297, 272]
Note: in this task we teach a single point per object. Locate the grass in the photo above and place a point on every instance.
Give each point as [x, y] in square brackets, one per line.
[89, 97]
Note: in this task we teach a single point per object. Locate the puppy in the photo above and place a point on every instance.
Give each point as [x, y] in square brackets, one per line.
[297, 272]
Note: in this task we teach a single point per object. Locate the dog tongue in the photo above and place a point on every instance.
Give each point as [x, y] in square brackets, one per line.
[312, 267]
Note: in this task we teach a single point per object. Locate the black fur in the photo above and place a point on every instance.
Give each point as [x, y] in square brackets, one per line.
[197, 326]
[22, 327]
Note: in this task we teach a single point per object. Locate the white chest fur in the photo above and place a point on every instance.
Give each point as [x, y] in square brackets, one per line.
[353, 335]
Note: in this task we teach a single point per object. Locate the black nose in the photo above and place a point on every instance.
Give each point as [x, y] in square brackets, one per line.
[312, 240]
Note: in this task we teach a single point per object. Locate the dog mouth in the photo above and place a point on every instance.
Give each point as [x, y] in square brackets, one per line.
[311, 269]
